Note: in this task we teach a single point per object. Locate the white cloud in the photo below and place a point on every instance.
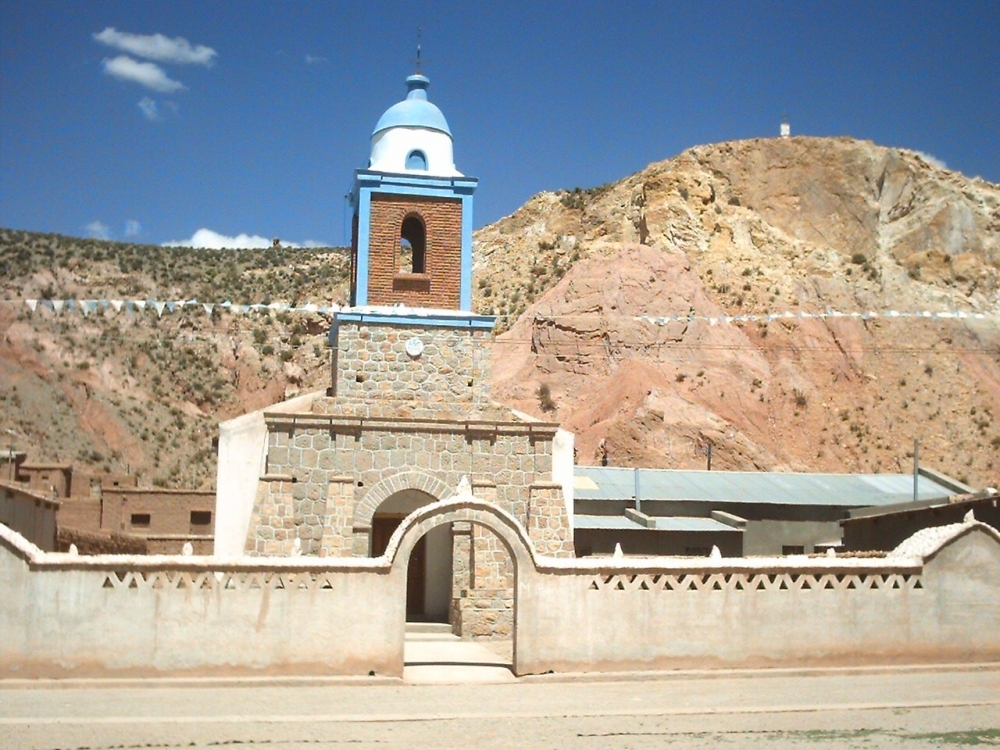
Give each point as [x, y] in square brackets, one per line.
[149, 108]
[207, 238]
[932, 160]
[315, 59]
[98, 230]
[157, 47]
[145, 74]
[132, 228]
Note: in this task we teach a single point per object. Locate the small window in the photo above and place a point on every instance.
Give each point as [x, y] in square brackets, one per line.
[793, 549]
[201, 517]
[140, 520]
[416, 160]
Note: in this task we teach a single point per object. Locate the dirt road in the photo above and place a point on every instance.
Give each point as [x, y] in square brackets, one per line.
[871, 708]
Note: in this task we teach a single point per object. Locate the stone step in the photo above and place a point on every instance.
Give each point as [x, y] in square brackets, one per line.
[435, 628]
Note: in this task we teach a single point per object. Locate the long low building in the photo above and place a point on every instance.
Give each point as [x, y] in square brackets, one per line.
[681, 512]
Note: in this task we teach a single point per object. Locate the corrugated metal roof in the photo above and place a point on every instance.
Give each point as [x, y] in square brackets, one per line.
[766, 488]
[661, 523]
[606, 522]
[686, 523]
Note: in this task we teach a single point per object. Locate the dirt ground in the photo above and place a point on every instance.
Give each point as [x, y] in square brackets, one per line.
[778, 710]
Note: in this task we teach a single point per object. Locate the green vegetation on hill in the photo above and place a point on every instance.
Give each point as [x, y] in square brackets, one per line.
[137, 392]
[52, 266]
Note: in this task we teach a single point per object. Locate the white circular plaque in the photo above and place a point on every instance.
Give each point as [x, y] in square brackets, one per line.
[414, 347]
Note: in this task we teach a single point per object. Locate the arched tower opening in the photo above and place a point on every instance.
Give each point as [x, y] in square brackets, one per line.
[413, 245]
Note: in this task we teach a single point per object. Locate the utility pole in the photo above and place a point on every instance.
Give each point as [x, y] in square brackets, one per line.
[916, 466]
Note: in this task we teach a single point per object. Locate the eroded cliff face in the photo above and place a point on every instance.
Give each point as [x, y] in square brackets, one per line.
[751, 228]
[744, 228]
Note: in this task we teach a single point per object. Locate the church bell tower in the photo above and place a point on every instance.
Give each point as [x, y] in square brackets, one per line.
[412, 228]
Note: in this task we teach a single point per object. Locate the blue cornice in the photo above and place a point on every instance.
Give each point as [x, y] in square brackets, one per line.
[403, 318]
[387, 181]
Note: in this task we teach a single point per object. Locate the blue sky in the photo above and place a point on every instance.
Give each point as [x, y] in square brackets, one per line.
[251, 117]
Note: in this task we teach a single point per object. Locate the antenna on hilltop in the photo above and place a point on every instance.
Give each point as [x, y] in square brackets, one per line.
[420, 33]
[786, 129]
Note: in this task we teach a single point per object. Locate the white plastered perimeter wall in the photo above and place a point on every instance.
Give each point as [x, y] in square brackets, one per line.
[937, 597]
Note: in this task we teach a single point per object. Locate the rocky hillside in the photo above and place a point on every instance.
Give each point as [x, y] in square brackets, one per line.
[728, 230]
[119, 391]
[752, 228]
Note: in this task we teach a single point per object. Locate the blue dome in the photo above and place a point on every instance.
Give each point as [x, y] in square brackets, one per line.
[414, 111]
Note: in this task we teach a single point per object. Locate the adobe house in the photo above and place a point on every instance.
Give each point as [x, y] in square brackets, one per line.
[408, 416]
[107, 513]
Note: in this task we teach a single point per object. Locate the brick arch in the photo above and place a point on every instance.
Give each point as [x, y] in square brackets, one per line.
[364, 512]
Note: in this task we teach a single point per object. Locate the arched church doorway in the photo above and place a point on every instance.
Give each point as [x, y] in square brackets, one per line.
[429, 573]
[464, 515]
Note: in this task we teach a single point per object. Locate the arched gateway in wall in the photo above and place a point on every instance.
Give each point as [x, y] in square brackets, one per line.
[470, 510]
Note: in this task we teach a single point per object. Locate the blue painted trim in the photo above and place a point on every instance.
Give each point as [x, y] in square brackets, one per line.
[466, 289]
[364, 246]
[367, 181]
[484, 322]
[389, 180]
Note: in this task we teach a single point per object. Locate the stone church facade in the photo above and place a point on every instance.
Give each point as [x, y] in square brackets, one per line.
[408, 417]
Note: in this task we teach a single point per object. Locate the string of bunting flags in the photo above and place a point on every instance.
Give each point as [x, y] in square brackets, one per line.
[91, 306]
[827, 314]
[131, 306]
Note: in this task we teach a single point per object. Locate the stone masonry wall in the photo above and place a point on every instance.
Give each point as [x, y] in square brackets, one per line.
[440, 285]
[452, 370]
[328, 473]
[321, 469]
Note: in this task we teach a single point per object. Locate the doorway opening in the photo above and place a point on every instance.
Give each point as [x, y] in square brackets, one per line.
[429, 572]
[489, 655]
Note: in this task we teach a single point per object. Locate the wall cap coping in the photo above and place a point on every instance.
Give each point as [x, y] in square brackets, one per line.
[146, 491]
[30, 494]
[730, 519]
[469, 424]
[895, 563]
[544, 484]
[926, 543]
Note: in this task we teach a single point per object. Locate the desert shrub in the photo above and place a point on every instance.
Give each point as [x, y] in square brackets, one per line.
[545, 400]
